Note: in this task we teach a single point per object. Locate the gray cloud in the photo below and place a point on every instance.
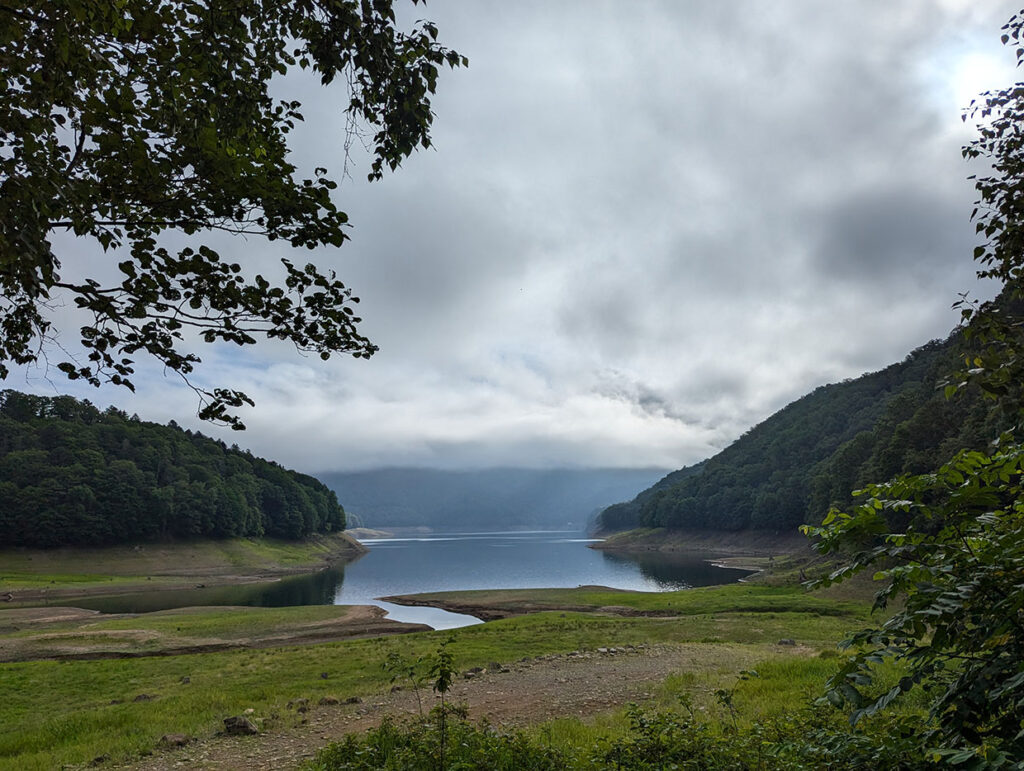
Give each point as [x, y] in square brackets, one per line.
[643, 228]
[896, 234]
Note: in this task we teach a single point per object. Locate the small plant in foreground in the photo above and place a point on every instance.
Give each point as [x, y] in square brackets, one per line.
[416, 747]
[727, 696]
[401, 668]
[443, 672]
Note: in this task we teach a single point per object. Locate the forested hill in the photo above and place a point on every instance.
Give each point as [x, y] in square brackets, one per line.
[484, 499]
[811, 454]
[73, 475]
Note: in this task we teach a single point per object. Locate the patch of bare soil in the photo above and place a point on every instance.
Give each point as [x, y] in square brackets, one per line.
[578, 684]
[20, 618]
[83, 642]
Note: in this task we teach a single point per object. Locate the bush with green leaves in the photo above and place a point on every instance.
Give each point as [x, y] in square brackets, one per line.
[806, 740]
[418, 746]
[950, 544]
[958, 567]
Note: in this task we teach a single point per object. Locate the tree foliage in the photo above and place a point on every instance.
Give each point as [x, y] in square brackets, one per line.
[996, 361]
[950, 544]
[126, 121]
[71, 475]
[791, 468]
[958, 567]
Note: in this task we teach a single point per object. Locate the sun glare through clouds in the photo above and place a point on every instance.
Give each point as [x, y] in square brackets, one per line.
[976, 73]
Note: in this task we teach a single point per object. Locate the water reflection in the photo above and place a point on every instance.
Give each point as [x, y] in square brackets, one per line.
[317, 589]
[313, 589]
[448, 562]
[675, 570]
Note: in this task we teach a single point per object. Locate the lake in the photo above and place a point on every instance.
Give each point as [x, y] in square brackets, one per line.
[450, 562]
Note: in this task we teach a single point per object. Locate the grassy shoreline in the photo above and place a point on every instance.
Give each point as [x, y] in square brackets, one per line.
[756, 543]
[257, 660]
[89, 709]
[505, 603]
[33, 576]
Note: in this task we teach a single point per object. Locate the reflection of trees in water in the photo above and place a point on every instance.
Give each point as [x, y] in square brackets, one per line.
[313, 589]
[671, 570]
[316, 589]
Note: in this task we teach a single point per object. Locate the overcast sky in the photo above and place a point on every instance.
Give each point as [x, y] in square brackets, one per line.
[643, 228]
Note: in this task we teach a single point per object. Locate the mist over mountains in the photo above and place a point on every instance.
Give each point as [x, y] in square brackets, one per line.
[488, 499]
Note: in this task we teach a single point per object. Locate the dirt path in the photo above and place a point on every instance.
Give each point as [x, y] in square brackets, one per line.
[531, 691]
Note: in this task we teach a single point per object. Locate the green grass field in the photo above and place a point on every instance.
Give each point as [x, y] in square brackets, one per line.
[56, 713]
[735, 598]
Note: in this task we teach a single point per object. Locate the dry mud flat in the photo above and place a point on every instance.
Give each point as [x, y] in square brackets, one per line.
[32, 634]
[578, 684]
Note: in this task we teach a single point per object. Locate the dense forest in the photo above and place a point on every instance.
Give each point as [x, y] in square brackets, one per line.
[486, 499]
[812, 454]
[73, 475]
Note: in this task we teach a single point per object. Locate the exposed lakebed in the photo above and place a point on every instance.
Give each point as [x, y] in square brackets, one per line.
[449, 562]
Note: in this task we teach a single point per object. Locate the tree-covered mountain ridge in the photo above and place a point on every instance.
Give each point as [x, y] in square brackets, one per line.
[72, 475]
[790, 468]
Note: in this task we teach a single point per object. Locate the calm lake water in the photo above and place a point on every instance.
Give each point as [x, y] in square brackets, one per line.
[450, 562]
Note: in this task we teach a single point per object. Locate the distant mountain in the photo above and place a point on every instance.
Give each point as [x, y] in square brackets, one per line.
[71, 475]
[790, 468]
[489, 499]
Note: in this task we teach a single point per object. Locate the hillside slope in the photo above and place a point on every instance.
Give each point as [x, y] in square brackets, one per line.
[71, 475]
[811, 454]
